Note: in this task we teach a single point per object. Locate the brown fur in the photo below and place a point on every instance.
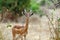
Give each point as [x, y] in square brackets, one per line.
[22, 30]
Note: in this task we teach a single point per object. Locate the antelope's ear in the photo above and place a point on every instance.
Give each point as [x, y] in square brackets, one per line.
[31, 14]
[24, 12]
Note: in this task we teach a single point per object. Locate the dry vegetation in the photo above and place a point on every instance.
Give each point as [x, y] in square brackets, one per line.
[40, 28]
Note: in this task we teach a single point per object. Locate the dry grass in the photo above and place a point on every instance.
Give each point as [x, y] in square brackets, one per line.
[38, 30]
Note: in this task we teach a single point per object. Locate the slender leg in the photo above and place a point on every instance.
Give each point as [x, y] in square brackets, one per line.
[21, 38]
[13, 34]
[24, 37]
[18, 37]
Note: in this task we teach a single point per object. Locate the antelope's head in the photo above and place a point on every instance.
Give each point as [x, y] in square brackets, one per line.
[28, 13]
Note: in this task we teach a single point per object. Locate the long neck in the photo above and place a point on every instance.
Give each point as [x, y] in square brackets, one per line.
[27, 22]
